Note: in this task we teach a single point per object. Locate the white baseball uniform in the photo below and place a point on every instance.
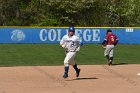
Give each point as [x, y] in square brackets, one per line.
[71, 45]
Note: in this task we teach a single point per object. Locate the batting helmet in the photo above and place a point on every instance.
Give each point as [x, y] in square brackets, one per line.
[71, 29]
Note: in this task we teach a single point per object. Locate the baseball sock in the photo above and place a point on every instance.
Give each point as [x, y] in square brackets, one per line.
[107, 57]
[111, 58]
[75, 67]
[66, 69]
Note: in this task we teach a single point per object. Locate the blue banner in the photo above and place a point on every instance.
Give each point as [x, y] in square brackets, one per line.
[54, 35]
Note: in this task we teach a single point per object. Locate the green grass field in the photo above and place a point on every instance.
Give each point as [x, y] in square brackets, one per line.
[53, 54]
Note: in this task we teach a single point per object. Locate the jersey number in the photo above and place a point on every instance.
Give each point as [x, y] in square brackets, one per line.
[73, 44]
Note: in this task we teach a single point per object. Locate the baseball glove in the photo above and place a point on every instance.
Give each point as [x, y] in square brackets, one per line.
[104, 46]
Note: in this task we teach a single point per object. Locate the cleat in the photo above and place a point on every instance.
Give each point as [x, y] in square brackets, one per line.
[78, 72]
[65, 75]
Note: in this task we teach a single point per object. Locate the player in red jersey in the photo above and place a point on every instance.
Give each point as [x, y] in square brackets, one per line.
[109, 42]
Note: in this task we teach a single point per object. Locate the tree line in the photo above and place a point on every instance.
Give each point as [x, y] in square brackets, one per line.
[92, 13]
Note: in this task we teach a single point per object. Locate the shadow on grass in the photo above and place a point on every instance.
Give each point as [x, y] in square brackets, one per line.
[120, 64]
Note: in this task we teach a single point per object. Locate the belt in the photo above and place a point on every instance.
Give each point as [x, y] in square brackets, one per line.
[70, 51]
[110, 44]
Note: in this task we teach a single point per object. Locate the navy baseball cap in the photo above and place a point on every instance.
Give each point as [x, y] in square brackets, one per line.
[72, 29]
[109, 30]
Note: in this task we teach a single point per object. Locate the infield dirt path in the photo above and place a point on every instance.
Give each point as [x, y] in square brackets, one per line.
[48, 79]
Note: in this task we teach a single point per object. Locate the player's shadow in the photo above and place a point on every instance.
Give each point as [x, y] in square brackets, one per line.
[84, 78]
[119, 64]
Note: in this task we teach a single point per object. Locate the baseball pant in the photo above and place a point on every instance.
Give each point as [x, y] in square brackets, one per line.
[69, 59]
[109, 50]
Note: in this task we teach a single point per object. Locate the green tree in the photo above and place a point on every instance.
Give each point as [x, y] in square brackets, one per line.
[66, 12]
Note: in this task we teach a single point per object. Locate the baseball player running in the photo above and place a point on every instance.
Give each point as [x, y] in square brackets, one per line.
[71, 45]
[109, 42]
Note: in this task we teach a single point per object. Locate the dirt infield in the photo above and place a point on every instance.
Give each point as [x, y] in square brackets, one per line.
[48, 79]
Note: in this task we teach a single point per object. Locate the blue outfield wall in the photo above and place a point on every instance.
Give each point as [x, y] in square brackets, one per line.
[54, 35]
